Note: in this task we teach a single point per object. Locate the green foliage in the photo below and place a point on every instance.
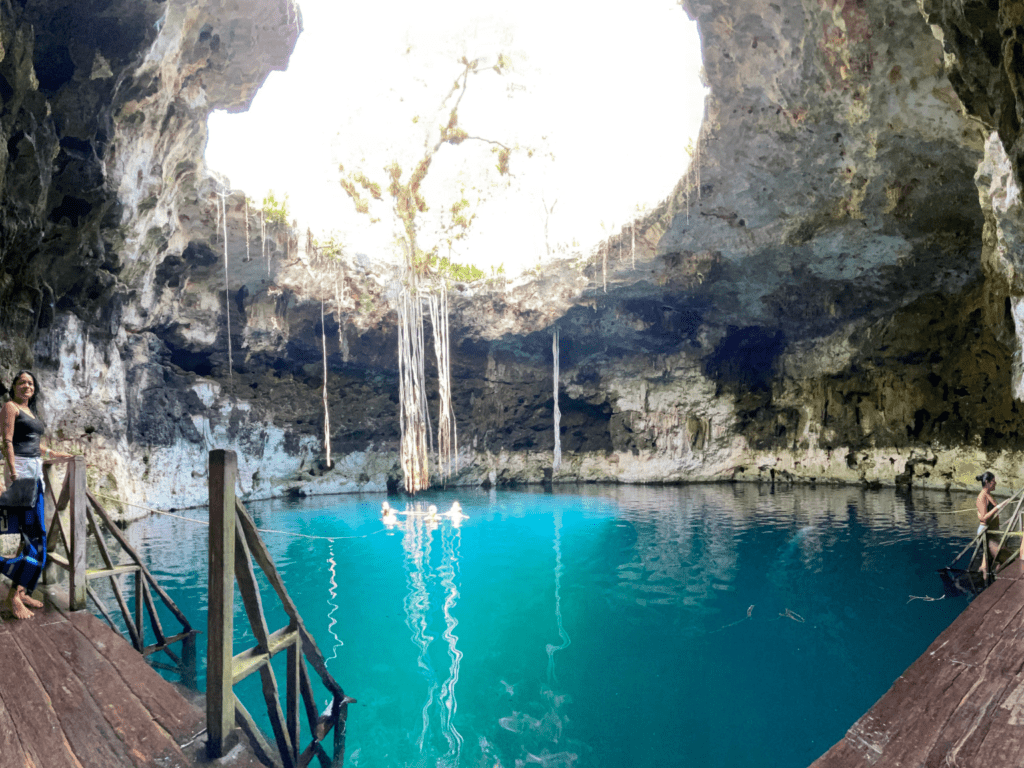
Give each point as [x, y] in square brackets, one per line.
[453, 221]
[330, 246]
[462, 273]
[276, 211]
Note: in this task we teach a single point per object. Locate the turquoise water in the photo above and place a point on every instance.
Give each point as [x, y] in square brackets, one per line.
[726, 625]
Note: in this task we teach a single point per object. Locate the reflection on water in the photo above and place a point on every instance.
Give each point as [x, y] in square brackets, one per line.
[605, 626]
[419, 522]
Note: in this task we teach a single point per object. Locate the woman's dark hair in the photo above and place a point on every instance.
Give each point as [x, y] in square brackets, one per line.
[985, 477]
[35, 385]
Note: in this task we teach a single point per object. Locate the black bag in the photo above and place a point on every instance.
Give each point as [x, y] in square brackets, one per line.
[23, 493]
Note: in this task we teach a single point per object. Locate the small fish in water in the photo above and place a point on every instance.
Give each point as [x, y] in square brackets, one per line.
[509, 689]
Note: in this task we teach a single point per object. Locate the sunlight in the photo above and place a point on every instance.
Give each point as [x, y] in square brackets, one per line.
[607, 102]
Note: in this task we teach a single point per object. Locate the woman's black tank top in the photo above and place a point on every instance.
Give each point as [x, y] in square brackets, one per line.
[27, 431]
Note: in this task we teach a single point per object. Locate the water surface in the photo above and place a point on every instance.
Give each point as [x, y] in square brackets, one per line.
[732, 626]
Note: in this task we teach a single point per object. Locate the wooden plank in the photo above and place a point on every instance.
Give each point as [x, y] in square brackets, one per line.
[264, 750]
[150, 649]
[154, 618]
[92, 743]
[76, 555]
[146, 742]
[318, 726]
[262, 557]
[35, 724]
[127, 547]
[117, 570]
[126, 615]
[102, 608]
[245, 663]
[61, 561]
[292, 695]
[175, 715]
[12, 755]
[250, 592]
[220, 699]
[140, 604]
[960, 703]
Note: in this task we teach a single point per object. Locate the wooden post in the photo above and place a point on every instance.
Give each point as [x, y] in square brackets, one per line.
[292, 694]
[140, 606]
[188, 662]
[220, 701]
[340, 728]
[77, 501]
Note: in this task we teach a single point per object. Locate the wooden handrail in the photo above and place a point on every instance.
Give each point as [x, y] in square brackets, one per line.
[87, 516]
[235, 547]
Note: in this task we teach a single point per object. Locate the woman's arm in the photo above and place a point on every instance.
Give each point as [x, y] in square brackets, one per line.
[7, 416]
[49, 453]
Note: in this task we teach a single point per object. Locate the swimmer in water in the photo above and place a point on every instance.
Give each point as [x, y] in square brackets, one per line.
[455, 513]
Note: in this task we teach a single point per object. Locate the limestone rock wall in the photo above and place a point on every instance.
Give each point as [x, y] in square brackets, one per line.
[830, 293]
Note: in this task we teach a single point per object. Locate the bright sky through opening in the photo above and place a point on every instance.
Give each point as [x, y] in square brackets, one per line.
[608, 100]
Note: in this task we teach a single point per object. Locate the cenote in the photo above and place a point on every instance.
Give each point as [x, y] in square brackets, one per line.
[713, 625]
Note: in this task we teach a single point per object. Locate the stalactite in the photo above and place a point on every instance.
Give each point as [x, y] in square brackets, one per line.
[248, 257]
[327, 412]
[632, 243]
[604, 264]
[263, 240]
[227, 288]
[557, 461]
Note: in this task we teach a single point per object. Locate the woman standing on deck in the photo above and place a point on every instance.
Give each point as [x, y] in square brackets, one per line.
[23, 457]
[988, 517]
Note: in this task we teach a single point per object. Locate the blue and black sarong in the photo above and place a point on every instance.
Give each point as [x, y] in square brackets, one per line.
[25, 568]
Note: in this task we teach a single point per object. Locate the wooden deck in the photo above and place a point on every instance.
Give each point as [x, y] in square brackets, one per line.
[961, 703]
[74, 694]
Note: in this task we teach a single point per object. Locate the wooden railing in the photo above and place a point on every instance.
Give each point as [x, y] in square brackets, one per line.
[85, 516]
[1011, 530]
[234, 545]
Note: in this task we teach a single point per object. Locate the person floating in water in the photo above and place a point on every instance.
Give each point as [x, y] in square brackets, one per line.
[988, 519]
[455, 514]
[388, 515]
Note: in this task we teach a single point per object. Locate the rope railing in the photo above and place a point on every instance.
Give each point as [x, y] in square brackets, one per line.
[1013, 527]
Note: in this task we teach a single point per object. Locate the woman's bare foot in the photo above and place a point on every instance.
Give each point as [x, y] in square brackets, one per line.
[28, 600]
[17, 608]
